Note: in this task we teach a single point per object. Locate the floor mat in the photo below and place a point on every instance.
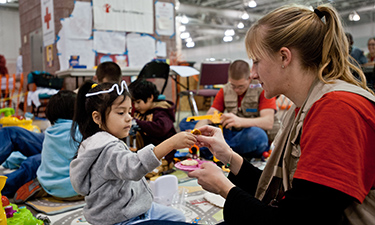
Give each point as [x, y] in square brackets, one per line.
[196, 208]
[52, 206]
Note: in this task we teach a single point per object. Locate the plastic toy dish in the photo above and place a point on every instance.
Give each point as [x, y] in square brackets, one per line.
[191, 168]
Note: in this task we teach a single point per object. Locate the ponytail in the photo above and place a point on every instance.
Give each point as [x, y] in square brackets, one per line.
[336, 61]
[86, 105]
[82, 119]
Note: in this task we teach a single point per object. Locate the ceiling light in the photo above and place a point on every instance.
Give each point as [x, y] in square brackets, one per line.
[229, 32]
[182, 28]
[245, 16]
[184, 19]
[189, 39]
[177, 7]
[353, 16]
[252, 4]
[190, 44]
[184, 35]
[3, 1]
[228, 38]
[240, 25]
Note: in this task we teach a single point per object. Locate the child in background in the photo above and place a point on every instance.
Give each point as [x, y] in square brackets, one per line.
[105, 171]
[51, 166]
[107, 72]
[16, 143]
[155, 118]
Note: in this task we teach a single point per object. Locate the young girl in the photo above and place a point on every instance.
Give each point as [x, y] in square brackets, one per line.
[105, 171]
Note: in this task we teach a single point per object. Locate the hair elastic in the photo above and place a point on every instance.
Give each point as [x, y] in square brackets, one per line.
[320, 15]
[115, 86]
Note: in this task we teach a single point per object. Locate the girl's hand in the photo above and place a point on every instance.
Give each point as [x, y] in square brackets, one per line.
[183, 140]
[212, 179]
[213, 139]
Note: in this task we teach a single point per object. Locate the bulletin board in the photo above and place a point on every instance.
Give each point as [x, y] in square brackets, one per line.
[146, 32]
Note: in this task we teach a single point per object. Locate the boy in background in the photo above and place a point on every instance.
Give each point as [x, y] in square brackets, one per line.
[51, 166]
[107, 72]
[154, 117]
[14, 140]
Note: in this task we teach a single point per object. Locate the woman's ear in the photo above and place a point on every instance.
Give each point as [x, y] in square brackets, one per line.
[286, 56]
[97, 118]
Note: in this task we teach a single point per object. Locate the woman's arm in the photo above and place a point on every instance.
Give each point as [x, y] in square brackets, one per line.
[305, 203]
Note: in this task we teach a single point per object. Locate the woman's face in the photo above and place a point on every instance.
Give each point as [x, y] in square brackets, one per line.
[267, 72]
[371, 46]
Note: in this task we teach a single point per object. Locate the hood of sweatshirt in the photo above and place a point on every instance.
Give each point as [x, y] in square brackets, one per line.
[89, 152]
[167, 106]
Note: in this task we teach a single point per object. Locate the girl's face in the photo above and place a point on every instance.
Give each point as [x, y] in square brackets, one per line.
[119, 120]
[371, 46]
[266, 71]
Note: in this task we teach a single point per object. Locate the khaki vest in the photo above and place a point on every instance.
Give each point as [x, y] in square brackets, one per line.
[288, 141]
[249, 104]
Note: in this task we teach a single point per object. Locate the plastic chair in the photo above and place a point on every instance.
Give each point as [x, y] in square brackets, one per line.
[212, 73]
[155, 69]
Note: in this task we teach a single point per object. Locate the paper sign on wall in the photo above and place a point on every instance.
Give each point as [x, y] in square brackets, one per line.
[109, 42]
[164, 18]
[124, 15]
[141, 49]
[48, 22]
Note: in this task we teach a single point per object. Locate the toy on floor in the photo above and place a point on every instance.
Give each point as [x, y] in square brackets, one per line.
[19, 121]
[3, 218]
[12, 215]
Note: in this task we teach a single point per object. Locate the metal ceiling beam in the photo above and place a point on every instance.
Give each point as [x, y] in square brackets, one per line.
[191, 10]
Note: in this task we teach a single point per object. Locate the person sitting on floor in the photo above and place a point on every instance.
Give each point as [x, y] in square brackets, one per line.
[51, 166]
[249, 113]
[105, 171]
[154, 117]
[17, 143]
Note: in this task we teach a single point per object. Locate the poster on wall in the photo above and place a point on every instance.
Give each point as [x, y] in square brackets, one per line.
[124, 15]
[103, 45]
[74, 38]
[79, 24]
[48, 24]
[141, 49]
[164, 18]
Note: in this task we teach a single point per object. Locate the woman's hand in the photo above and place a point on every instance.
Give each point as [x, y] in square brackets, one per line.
[212, 138]
[212, 179]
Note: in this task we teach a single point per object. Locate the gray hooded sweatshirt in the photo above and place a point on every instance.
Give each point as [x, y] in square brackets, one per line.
[111, 178]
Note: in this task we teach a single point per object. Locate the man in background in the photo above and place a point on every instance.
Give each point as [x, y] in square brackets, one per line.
[355, 52]
[248, 114]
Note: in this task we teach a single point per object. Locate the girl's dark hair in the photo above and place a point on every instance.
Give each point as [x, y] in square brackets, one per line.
[85, 106]
[61, 106]
[143, 89]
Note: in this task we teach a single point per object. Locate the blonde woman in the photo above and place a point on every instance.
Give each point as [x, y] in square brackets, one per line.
[321, 170]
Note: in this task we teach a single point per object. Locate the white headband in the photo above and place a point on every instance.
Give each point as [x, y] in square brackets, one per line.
[119, 92]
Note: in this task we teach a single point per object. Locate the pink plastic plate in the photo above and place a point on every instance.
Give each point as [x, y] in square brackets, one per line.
[190, 168]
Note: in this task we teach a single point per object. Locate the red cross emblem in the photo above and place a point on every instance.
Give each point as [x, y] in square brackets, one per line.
[47, 18]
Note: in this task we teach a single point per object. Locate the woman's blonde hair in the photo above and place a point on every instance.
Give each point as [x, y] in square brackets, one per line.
[319, 39]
